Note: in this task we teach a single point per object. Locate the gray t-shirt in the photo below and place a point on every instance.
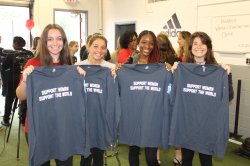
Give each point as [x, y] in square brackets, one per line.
[57, 121]
[144, 93]
[201, 109]
[102, 105]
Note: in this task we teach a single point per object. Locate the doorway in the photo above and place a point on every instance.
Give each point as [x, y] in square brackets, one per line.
[74, 23]
[12, 21]
[120, 28]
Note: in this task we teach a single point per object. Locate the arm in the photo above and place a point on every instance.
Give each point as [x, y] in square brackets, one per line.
[230, 80]
[230, 85]
[226, 67]
[21, 89]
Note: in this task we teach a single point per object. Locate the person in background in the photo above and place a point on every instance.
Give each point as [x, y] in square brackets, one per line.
[183, 41]
[182, 54]
[73, 48]
[114, 54]
[97, 48]
[83, 50]
[12, 69]
[35, 45]
[167, 51]
[53, 51]
[128, 46]
[201, 52]
[168, 56]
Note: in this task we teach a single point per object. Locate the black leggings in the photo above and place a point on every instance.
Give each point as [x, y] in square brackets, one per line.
[150, 154]
[96, 156]
[68, 162]
[187, 158]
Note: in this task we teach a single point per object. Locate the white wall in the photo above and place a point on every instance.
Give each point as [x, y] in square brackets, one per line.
[147, 16]
[43, 12]
[207, 12]
[193, 16]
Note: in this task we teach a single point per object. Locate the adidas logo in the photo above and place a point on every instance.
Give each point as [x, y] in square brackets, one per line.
[172, 25]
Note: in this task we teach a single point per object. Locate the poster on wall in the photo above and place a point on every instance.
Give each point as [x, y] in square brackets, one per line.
[230, 33]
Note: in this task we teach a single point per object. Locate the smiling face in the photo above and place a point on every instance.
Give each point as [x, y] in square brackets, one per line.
[146, 45]
[97, 49]
[54, 43]
[199, 50]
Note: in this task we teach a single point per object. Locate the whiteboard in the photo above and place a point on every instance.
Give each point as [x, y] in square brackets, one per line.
[231, 33]
[227, 23]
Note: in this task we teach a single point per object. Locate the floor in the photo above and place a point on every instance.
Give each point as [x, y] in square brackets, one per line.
[9, 155]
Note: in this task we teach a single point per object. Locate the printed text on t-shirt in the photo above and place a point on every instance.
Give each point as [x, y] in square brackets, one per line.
[200, 89]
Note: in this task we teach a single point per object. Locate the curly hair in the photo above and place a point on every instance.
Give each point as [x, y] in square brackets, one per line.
[126, 38]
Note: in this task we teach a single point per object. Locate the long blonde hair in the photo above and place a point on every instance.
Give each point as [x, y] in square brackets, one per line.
[183, 51]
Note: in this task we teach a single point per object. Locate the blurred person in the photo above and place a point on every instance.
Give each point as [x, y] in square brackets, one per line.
[128, 46]
[73, 48]
[167, 51]
[12, 68]
[114, 54]
[35, 45]
[182, 53]
[183, 41]
[168, 56]
[83, 51]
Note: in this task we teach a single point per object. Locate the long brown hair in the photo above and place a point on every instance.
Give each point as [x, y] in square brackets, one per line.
[205, 39]
[184, 50]
[167, 51]
[155, 54]
[35, 42]
[43, 53]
